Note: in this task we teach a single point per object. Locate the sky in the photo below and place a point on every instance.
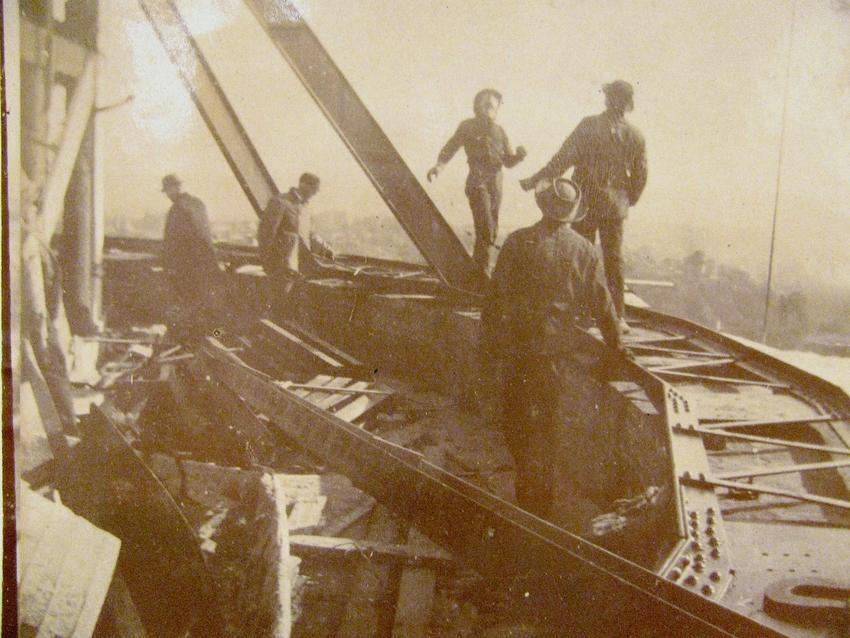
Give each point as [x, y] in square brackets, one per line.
[709, 84]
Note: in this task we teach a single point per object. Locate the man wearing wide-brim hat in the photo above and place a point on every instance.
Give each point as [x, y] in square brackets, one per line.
[609, 156]
[546, 277]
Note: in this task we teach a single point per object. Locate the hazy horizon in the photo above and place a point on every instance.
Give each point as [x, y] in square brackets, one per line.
[709, 84]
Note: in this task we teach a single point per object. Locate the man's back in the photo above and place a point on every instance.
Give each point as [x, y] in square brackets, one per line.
[188, 248]
[277, 233]
[546, 275]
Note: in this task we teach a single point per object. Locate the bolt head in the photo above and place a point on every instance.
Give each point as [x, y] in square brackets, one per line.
[708, 590]
[674, 574]
[715, 576]
[691, 580]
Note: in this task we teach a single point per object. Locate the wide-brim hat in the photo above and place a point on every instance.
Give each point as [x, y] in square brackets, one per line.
[559, 199]
[619, 91]
[170, 180]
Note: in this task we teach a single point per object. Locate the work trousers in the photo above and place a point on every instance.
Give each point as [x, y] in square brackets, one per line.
[485, 197]
[610, 228]
[530, 423]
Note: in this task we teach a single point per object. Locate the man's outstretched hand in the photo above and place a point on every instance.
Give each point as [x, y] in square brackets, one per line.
[433, 173]
[521, 153]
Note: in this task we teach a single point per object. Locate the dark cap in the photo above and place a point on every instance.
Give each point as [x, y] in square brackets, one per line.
[559, 200]
[170, 180]
[619, 92]
[308, 179]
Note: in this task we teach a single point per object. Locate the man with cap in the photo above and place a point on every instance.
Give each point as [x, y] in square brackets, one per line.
[609, 156]
[487, 150]
[546, 277]
[189, 255]
[279, 236]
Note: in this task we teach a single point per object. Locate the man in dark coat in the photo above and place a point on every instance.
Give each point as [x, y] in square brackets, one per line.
[487, 150]
[546, 277]
[189, 259]
[609, 156]
[279, 237]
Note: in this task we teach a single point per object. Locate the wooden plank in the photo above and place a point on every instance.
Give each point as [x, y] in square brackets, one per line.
[310, 543]
[79, 113]
[362, 616]
[343, 396]
[331, 349]
[292, 339]
[350, 517]
[417, 585]
[782, 469]
[358, 388]
[46, 408]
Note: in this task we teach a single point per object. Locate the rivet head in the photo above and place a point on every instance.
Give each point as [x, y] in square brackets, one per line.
[709, 520]
[715, 553]
[694, 523]
[715, 576]
[684, 562]
[699, 567]
[695, 534]
[699, 558]
[710, 511]
[691, 580]
[708, 590]
[675, 574]
[714, 541]
[693, 514]
[696, 546]
[709, 530]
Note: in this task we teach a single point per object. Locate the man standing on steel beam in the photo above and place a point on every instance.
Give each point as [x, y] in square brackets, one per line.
[487, 150]
[190, 262]
[278, 240]
[546, 276]
[609, 155]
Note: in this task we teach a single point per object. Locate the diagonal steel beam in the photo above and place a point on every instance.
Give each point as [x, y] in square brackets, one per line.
[494, 536]
[774, 491]
[783, 469]
[368, 143]
[773, 441]
[713, 425]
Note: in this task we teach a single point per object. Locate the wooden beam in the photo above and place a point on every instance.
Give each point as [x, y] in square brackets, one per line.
[783, 469]
[417, 583]
[46, 407]
[348, 390]
[309, 543]
[79, 113]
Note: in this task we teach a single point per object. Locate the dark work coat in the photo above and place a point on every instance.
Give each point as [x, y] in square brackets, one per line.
[278, 235]
[609, 155]
[545, 277]
[487, 149]
[188, 251]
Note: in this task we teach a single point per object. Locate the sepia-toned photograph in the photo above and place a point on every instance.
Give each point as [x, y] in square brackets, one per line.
[426, 318]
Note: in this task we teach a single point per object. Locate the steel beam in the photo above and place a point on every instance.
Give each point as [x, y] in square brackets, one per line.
[782, 469]
[772, 441]
[494, 536]
[368, 143]
[723, 424]
[774, 491]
